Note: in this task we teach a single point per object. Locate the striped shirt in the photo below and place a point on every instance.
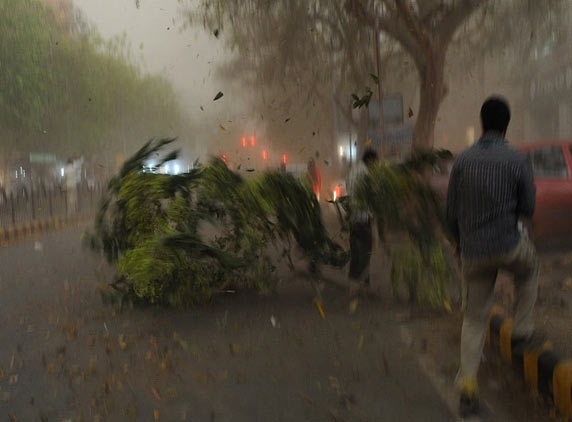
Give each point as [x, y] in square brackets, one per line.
[490, 187]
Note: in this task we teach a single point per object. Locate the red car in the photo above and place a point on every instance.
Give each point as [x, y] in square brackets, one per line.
[552, 165]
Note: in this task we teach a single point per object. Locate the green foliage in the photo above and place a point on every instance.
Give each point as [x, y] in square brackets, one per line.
[424, 279]
[401, 201]
[181, 240]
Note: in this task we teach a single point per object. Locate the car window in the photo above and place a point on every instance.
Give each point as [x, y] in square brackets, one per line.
[549, 163]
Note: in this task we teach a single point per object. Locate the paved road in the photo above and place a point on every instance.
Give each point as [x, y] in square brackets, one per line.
[66, 356]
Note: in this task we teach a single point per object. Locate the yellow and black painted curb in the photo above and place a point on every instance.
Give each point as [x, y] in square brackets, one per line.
[19, 232]
[543, 370]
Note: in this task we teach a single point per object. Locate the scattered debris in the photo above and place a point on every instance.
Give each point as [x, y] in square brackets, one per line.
[320, 307]
[353, 306]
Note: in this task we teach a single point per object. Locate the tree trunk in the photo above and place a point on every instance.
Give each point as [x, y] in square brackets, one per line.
[432, 93]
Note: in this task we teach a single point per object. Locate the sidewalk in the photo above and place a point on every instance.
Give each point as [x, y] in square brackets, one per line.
[34, 228]
[66, 355]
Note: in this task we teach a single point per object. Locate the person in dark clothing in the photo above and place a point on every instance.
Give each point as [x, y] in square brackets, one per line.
[491, 190]
[360, 221]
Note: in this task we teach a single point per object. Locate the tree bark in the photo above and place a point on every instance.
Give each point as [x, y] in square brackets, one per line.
[432, 92]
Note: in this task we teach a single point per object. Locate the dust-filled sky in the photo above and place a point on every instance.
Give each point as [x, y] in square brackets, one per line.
[188, 57]
[155, 30]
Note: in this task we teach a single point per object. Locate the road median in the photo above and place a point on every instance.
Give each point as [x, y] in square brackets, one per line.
[543, 370]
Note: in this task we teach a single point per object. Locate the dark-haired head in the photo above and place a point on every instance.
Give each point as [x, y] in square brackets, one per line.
[369, 156]
[495, 114]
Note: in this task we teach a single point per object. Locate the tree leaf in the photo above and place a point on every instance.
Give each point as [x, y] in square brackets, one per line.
[218, 96]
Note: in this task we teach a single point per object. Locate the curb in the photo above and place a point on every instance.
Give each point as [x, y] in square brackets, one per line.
[19, 232]
[543, 370]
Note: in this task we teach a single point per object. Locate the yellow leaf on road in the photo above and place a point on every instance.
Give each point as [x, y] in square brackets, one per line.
[178, 339]
[156, 393]
[353, 306]
[320, 308]
[234, 348]
[122, 342]
[447, 306]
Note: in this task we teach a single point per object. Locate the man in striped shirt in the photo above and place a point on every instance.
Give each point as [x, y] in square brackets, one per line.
[490, 190]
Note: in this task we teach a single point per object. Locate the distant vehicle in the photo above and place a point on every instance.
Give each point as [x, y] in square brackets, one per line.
[552, 166]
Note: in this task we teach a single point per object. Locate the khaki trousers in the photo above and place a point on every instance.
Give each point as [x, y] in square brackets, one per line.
[479, 277]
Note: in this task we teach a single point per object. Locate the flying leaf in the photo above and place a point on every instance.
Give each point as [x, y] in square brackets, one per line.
[202, 108]
[355, 97]
[375, 78]
[217, 96]
[287, 120]
[222, 127]
[410, 113]
[216, 32]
